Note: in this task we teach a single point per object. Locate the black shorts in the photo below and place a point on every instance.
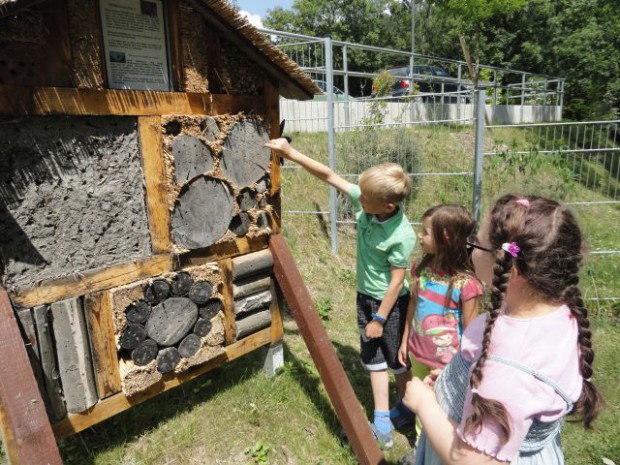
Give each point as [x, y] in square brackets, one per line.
[379, 354]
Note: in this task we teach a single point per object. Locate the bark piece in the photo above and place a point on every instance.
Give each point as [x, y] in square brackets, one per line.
[145, 352]
[138, 312]
[168, 359]
[244, 159]
[157, 291]
[132, 336]
[210, 309]
[250, 264]
[191, 158]
[253, 323]
[240, 224]
[189, 345]
[252, 285]
[202, 327]
[201, 292]
[252, 303]
[171, 320]
[202, 213]
[74, 358]
[181, 284]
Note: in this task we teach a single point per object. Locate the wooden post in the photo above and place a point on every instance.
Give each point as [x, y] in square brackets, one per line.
[332, 373]
[23, 420]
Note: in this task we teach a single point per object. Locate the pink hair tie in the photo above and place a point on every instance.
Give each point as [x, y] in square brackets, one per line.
[512, 248]
[524, 202]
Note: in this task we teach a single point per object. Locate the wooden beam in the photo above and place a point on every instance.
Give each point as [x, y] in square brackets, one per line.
[272, 102]
[332, 373]
[151, 149]
[230, 327]
[40, 101]
[98, 312]
[176, 52]
[277, 323]
[112, 405]
[240, 246]
[26, 431]
[93, 281]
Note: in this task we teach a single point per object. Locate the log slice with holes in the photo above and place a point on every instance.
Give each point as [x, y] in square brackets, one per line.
[171, 320]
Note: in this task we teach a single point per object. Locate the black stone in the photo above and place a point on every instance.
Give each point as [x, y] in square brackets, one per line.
[202, 327]
[132, 336]
[181, 284]
[168, 359]
[157, 291]
[189, 346]
[145, 352]
[210, 309]
[138, 311]
[201, 292]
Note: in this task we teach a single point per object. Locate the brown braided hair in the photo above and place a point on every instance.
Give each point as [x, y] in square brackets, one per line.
[551, 255]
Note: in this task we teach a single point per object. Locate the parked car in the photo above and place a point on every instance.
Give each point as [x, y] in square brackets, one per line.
[338, 94]
[429, 79]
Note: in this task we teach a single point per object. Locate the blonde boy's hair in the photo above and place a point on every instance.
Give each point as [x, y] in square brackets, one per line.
[386, 183]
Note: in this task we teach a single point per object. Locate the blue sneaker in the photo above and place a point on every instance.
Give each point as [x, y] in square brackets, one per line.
[385, 440]
[401, 416]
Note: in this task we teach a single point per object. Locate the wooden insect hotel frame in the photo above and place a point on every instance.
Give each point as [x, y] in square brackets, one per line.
[136, 205]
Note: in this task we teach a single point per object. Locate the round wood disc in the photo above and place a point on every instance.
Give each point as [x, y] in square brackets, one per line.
[210, 309]
[157, 291]
[201, 292]
[171, 320]
[189, 345]
[138, 311]
[145, 352]
[132, 336]
[168, 359]
[181, 284]
[202, 327]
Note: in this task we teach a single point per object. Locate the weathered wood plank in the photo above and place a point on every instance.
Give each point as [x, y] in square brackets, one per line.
[26, 431]
[251, 286]
[176, 53]
[277, 325]
[255, 263]
[230, 326]
[149, 128]
[109, 407]
[93, 281]
[57, 409]
[252, 323]
[40, 101]
[332, 373]
[74, 359]
[229, 249]
[98, 313]
[252, 303]
[272, 102]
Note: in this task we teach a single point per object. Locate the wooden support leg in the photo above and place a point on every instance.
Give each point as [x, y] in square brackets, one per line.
[26, 432]
[321, 350]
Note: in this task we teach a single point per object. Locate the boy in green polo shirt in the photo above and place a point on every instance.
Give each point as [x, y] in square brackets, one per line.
[385, 241]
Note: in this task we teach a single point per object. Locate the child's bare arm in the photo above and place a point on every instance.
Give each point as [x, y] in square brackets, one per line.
[470, 311]
[324, 173]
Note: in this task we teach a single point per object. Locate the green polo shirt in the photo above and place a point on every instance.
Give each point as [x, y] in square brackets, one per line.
[380, 245]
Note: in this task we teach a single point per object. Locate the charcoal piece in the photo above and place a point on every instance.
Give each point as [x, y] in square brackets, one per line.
[157, 291]
[246, 200]
[145, 352]
[240, 224]
[181, 284]
[202, 327]
[189, 346]
[201, 292]
[138, 311]
[210, 309]
[132, 336]
[168, 359]
[171, 320]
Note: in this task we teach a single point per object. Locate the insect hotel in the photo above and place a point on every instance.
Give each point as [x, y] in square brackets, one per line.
[136, 205]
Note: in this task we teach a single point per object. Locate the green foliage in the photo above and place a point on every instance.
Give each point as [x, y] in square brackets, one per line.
[382, 86]
[323, 307]
[258, 454]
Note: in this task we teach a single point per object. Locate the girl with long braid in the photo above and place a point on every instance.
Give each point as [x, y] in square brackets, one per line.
[527, 363]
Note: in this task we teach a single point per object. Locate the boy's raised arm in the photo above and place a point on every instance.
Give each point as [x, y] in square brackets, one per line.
[319, 170]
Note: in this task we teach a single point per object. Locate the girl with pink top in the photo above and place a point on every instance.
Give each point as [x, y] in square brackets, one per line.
[526, 364]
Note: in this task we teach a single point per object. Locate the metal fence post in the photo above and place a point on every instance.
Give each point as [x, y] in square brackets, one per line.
[479, 154]
[331, 140]
[347, 104]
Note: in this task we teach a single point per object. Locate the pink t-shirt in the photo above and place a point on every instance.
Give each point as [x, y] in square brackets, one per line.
[546, 344]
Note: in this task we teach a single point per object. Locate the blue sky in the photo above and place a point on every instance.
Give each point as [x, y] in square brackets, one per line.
[258, 8]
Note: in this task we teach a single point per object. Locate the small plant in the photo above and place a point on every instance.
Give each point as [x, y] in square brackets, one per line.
[323, 307]
[258, 454]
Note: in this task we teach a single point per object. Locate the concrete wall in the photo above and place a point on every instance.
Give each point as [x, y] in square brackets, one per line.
[71, 196]
[311, 116]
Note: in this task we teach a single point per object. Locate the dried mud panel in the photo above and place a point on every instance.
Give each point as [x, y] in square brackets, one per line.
[168, 324]
[71, 197]
[219, 178]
